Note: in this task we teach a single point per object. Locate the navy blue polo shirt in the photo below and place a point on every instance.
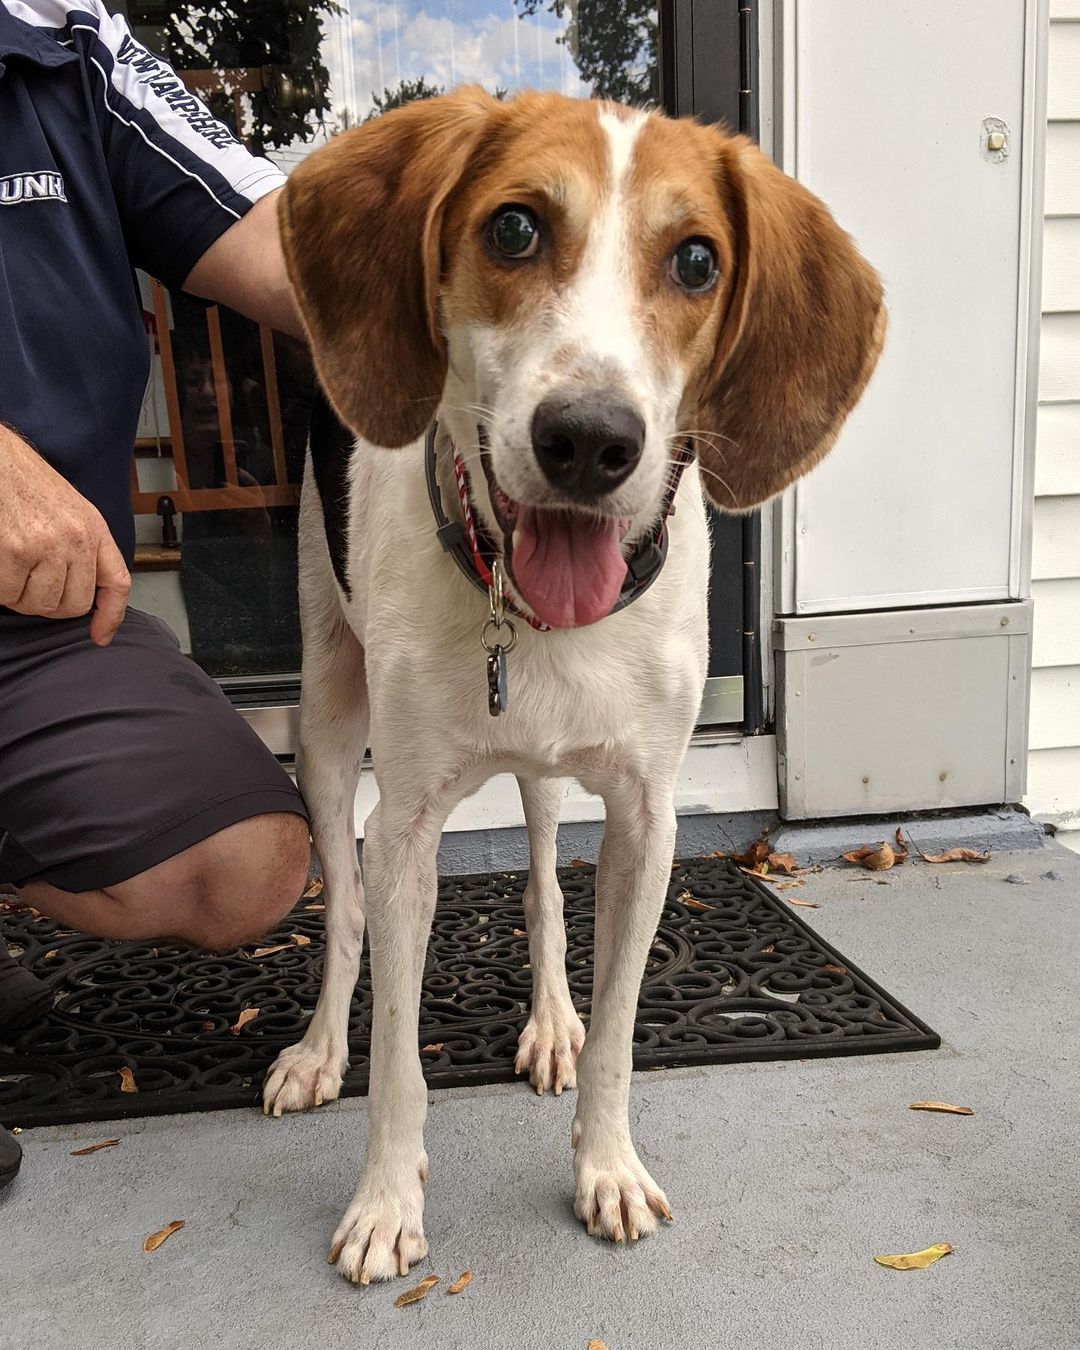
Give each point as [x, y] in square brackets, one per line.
[107, 163]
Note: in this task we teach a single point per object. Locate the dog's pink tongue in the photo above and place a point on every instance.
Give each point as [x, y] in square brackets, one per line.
[568, 568]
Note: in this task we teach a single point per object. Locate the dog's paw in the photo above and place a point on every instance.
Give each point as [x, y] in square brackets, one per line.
[382, 1232]
[614, 1196]
[549, 1047]
[301, 1078]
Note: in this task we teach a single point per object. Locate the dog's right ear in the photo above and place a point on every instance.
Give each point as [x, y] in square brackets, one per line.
[361, 225]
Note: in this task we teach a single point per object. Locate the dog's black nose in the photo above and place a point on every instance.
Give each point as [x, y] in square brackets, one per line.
[587, 449]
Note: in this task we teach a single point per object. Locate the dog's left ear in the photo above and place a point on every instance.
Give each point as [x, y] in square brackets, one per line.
[361, 226]
[804, 329]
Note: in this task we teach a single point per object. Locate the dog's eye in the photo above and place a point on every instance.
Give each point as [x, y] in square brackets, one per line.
[693, 265]
[514, 232]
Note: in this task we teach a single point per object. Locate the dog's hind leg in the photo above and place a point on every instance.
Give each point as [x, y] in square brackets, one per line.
[614, 1195]
[382, 1232]
[553, 1036]
[333, 734]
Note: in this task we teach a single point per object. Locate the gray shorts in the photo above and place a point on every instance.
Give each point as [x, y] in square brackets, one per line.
[113, 759]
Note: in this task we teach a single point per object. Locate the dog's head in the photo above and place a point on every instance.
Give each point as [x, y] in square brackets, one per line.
[581, 287]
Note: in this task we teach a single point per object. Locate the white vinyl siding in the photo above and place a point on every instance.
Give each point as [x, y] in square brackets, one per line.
[1053, 791]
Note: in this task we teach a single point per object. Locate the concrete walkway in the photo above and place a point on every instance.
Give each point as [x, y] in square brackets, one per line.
[785, 1180]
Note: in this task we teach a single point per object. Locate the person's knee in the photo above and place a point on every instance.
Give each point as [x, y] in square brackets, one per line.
[250, 879]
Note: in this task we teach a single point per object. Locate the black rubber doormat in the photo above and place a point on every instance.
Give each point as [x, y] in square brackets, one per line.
[734, 974]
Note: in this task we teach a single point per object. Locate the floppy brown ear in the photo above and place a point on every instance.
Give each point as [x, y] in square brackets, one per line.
[361, 229]
[803, 332]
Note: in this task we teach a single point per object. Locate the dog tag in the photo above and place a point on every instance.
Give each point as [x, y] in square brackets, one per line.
[496, 678]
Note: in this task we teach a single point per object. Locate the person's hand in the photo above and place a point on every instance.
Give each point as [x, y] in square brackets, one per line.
[57, 557]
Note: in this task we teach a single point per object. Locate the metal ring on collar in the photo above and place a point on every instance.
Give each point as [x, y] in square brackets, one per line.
[492, 626]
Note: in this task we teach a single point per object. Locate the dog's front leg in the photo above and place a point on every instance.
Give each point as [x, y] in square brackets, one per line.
[553, 1036]
[614, 1195]
[382, 1233]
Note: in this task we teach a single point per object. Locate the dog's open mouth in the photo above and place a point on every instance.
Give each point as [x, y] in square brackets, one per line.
[566, 564]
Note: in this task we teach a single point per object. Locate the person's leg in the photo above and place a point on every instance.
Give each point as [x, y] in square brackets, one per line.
[135, 802]
[219, 893]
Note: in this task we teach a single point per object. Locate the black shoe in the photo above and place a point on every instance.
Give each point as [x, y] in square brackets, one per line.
[24, 999]
[10, 1157]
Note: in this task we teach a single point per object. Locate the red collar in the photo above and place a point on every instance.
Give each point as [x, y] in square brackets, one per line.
[473, 549]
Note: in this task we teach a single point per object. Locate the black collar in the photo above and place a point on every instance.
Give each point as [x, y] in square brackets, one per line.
[643, 566]
[30, 42]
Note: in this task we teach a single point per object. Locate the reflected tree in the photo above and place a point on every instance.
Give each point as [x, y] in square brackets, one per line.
[614, 45]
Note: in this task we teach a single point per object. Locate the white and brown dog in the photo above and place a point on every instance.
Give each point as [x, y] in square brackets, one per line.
[572, 292]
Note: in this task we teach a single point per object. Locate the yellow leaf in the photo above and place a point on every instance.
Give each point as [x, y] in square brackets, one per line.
[420, 1292]
[946, 1107]
[154, 1241]
[248, 1015]
[462, 1282]
[916, 1260]
[93, 1148]
[127, 1080]
[313, 890]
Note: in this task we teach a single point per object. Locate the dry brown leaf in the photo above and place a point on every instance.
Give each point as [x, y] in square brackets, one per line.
[579, 862]
[788, 885]
[946, 1108]
[154, 1241]
[520, 932]
[313, 890]
[834, 969]
[761, 871]
[916, 1260]
[597, 1345]
[301, 939]
[315, 907]
[269, 951]
[969, 855]
[766, 951]
[435, 1047]
[878, 859]
[127, 1080]
[716, 853]
[692, 903]
[49, 955]
[416, 1295]
[782, 862]
[94, 1148]
[248, 1015]
[754, 856]
[803, 904]
[462, 1282]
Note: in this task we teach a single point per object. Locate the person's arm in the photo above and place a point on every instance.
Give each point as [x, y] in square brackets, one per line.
[245, 269]
[57, 557]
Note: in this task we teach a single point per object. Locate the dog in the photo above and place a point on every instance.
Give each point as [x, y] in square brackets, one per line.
[554, 304]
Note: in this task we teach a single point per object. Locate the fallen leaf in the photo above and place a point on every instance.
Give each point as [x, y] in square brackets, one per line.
[579, 862]
[716, 853]
[462, 1282]
[94, 1148]
[313, 890]
[946, 1108]
[420, 1292]
[878, 859]
[269, 951]
[782, 862]
[803, 904]
[916, 1260]
[835, 970]
[248, 1015]
[692, 903]
[761, 871]
[766, 951]
[754, 856]
[435, 1047]
[49, 955]
[301, 939]
[154, 1241]
[969, 855]
[597, 1345]
[127, 1080]
[520, 932]
[787, 885]
[317, 907]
